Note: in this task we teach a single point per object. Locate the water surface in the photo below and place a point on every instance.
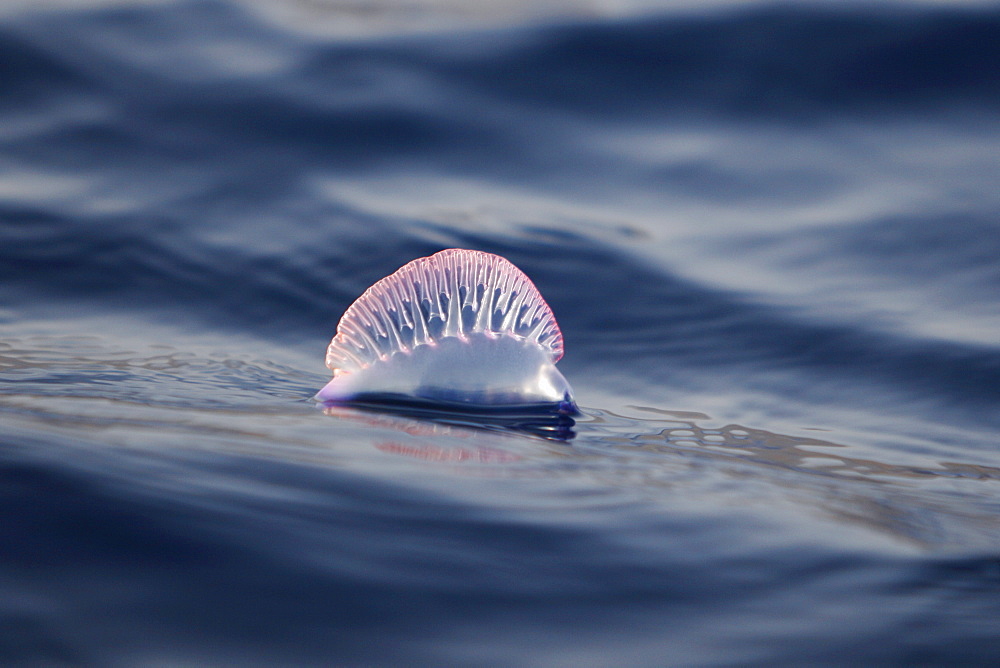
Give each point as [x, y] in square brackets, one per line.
[769, 234]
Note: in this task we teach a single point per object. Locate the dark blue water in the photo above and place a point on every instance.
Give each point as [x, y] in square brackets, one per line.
[771, 236]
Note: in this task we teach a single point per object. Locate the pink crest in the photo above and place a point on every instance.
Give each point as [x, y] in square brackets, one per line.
[452, 293]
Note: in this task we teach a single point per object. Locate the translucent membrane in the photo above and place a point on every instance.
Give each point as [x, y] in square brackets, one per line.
[460, 327]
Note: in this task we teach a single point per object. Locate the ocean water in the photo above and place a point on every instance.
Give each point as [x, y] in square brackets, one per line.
[770, 234]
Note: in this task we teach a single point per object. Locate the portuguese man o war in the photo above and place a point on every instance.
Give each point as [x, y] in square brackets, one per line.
[460, 330]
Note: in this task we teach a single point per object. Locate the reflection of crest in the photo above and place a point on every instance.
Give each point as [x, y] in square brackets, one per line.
[449, 438]
[434, 453]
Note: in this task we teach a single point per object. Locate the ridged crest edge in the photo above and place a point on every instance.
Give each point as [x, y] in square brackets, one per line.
[454, 292]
